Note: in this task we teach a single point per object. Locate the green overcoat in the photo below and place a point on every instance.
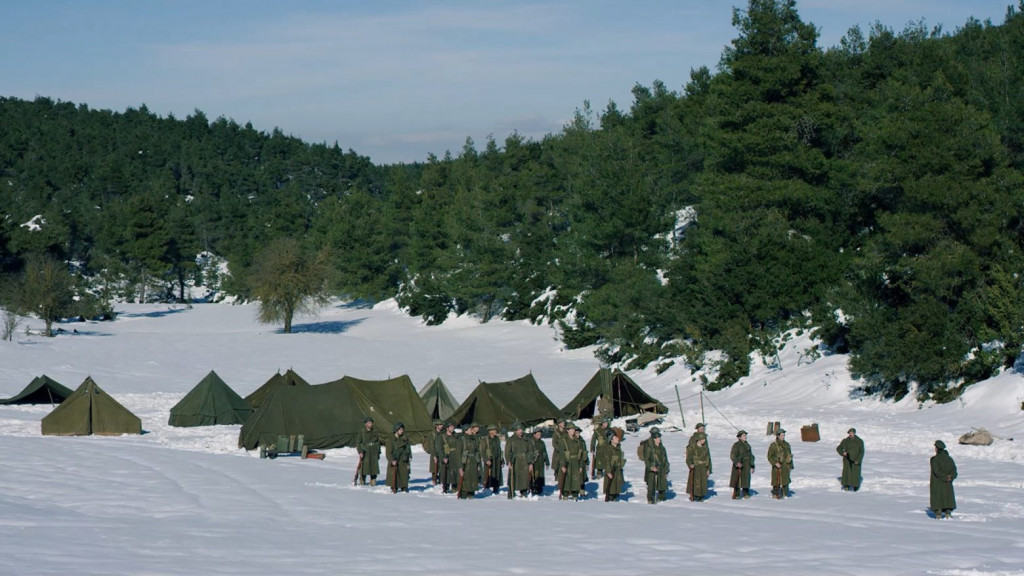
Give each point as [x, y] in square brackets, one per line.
[517, 454]
[614, 461]
[655, 456]
[698, 459]
[742, 458]
[539, 458]
[597, 440]
[492, 452]
[574, 458]
[943, 474]
[852, 451]
[780, 456]
[368, 445]
[469, 464]
[399, 455]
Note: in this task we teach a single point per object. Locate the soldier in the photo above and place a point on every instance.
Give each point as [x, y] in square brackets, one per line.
[614, 461]
[493, 459]
[539, 461]
[447, 467]
[558, 436]
[656, 468]
[943, 500]
[698, 459]
[428, 447]
[368, 445]
[469, 458]
[852, 451]
[742, 465]
[780, 457]
[574, 461]
[517, 454]
[598, 439]
[399, 455]
[698, 429]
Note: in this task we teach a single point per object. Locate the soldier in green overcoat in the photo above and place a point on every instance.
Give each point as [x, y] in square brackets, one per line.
[517, 454]
[852, 451]
[614, 461]
[469, 459]
[943, 500]
[656, 467]
[698, 429]
[698, 460]
[598, 439]
[780, 457]
[399, 455]
[447, 467]
[493, 459]
[574, 460]
[539, 461]
[558, 436]
[368, 446]
[428, 447]
[742, 458]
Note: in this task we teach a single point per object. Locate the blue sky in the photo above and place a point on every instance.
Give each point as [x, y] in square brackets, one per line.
[392, 80]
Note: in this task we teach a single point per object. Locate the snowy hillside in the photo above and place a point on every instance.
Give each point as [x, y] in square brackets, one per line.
[187, 501]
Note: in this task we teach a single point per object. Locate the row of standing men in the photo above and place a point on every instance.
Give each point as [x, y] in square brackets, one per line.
[463, 463]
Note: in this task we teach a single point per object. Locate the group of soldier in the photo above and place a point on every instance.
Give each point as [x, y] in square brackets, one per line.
[463, 463]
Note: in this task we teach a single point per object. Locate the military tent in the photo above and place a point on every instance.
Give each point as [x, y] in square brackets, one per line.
[41, 390]
[289, 378]
[617, 391]
[503, 403]
[211, 402]
[439, 401]
[90, 410]
[331, 415]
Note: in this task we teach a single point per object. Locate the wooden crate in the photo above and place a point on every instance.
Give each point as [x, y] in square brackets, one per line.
[810, 433]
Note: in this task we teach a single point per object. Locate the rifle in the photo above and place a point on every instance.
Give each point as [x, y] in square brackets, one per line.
[593, 463]
[458, 489]
[394, 477]
[487, 476]
[689, 484]
[359, 466]
[561, 481]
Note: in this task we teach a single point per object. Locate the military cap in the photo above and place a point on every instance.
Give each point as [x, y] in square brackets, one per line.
[367, 419]
[655, 433]
[537, 431]
[449, 424]
[699, 425]
[560, 421]
[851, 431]
[473, 425]
[492, 427]
[940, 444]
[399, 426]
[741, 433]
[780, 431]
[571, 426]
[517, 426]
[438, 423]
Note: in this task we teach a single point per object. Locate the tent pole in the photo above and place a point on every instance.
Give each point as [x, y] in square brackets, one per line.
[702, 407]
[680, 404]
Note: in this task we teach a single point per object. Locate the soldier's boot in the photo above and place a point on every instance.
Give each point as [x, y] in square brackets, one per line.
[607, 498]
[522, 493]
[362, 480]
[663, 495]
[746, 493]
[373, 480]
[784, 492]
[855, 488]
[735, 493]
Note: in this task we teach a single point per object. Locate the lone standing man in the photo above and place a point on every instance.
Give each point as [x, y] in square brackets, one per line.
[852, 451]
[742, 465]
[943, 500]
[780, 456]
[368, 445]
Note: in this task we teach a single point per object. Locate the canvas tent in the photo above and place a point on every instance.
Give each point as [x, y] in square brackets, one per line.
[331, 415]
[438, 400]
[41, 390]
[289, 378]
[210, 403]
[618, 392]
[504, 403]
[90, 410]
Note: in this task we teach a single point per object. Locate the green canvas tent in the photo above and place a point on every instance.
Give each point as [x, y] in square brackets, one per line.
[331, 415]
[210, 403]
[504, 403]
[90, 410]
[289, 378]
[41, 390]
[439, 401]
[619, 392]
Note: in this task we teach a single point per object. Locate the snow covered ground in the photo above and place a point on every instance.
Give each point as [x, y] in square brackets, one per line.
[187, 501]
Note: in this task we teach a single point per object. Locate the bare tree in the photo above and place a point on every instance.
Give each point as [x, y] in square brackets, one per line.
[288, 279]
[46, 289]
